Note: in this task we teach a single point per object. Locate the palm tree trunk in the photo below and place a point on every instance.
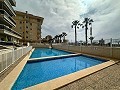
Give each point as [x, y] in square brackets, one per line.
[91, 42]
[64, 37]
[75, 35]
[60, 39]
[86, 32]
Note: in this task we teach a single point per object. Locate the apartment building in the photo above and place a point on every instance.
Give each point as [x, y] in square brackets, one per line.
[7, 23]
[29, 26]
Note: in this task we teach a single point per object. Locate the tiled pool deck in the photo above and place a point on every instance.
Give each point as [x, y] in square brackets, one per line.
[106, 79]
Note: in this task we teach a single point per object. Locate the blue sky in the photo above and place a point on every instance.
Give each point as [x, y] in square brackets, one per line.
[59, 14]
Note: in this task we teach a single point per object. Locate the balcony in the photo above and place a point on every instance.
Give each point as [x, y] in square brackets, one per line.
[6, 18]
[7, 31]
[6, 5]
[13, 2]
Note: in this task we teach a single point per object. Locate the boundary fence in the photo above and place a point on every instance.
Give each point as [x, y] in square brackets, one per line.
[102, 42]
[9, 56]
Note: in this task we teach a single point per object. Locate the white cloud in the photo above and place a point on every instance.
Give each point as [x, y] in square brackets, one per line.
[105, 14]
[59, 14]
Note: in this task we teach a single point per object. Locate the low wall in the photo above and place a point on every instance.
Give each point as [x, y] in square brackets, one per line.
[39, 45]
[109, 52]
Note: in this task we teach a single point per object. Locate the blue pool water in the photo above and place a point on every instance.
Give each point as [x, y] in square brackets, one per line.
[38, 72]
[45, 52]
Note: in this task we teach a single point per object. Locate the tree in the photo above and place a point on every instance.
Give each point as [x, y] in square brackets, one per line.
[85, 24]
[75, 25]
[60, 36]
[56, 38]
[50, 42]
[64, 34]
[44, 40]
[91, 39]
[48, 37]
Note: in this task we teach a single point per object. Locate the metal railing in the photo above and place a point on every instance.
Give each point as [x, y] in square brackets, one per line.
[2, 11]
[9, 56]
[8, 17]
[13, 2]
[102, 42]
[9, 6]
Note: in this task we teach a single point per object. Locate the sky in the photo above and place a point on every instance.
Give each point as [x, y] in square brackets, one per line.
[59, 14]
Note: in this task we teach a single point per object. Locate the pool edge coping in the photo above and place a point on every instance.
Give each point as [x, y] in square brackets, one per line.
[66, 79]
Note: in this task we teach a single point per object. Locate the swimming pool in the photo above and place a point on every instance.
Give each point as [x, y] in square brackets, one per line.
[44, 70]
[45, 52]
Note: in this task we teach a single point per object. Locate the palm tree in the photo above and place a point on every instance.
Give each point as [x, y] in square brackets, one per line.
[64, 34]
[86, 22]
[60, 36]
[91, 37]
[76, 25]
[50, 41]
[53, 39]
[56, 38]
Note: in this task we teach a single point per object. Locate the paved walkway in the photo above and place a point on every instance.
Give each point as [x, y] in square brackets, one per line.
[106, 79]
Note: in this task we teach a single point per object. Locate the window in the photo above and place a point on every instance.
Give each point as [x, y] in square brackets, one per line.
[31, 24]
[26, 36]
[26, 26]
[30, 28]
[26, 31]
[38, 20]
[20, 22]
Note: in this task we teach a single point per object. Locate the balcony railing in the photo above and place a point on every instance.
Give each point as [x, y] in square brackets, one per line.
[10, 19]
[13, 2]
[8, 29]
[9, 6]
[5, 13]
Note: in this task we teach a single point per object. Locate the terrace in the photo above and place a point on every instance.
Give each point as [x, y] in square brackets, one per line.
[7, 6]
[13, 2]
[6, 18]
[6, 30]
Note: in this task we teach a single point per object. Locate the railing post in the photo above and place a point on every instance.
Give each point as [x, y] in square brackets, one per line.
[13, 55]
[111, 42]
[111, 50]
[5, 59]
[4, 56]
[1, 61]
[22, 50]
